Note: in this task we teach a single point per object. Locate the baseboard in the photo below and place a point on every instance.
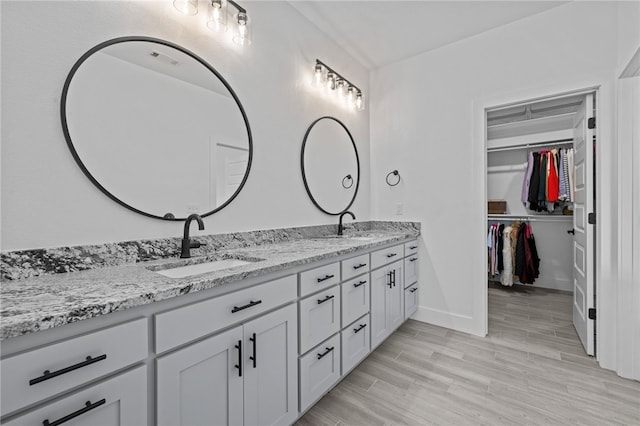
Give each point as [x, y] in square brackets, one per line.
[458, 322]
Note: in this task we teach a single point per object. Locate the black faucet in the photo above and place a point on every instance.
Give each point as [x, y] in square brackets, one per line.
[340, 222]
[187, 244]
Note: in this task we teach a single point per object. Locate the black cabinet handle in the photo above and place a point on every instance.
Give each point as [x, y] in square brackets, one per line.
[393, 274]
[50, 375]
[355, 330]
[571, 231]
[322, 355]
[248, 305]
[390, 283]
[362, 265]
[320, 301]
[239, 364]
[358, 284]
[88, 407]
[254, 358]
[392, 254]
[326, 277]
[413, 247]
[413, 259]
[413, 290]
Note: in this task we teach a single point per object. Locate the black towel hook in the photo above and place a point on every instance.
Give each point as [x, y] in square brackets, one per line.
[394, 173]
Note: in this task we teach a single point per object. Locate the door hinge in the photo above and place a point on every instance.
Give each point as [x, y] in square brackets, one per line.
[592, 313]
[591, 218]
[591, 124]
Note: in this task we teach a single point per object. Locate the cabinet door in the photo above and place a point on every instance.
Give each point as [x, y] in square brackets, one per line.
[270, 380]
[355, 299]
[387, 301]
[319, 317]
[202, 383]
[121, 400]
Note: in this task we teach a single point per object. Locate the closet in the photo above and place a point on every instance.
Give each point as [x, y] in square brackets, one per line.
[563, 227]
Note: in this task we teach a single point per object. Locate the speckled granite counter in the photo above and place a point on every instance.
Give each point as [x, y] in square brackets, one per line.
[53, 299]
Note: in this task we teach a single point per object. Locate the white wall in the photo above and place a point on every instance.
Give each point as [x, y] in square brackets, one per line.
[424, 122]
[46, 199]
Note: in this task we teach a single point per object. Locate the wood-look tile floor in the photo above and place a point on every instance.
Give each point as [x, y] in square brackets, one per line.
[530, 370]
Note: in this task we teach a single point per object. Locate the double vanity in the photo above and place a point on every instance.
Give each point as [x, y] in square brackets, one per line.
[246, 335]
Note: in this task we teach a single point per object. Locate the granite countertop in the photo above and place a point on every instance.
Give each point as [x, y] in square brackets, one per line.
[47, 301]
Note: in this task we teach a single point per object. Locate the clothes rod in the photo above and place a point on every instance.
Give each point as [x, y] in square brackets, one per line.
[531, 145]
[511, 168]
[530, 218]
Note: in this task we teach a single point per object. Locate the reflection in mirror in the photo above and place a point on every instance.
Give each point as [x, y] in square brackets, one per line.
[330, 165]
[156, 128]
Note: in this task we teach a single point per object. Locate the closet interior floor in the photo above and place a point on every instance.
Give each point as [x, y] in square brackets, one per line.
[530, 370]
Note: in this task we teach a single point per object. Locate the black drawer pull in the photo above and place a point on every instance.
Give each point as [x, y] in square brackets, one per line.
[49, 375]
[390, 283]
[320, 301]
[413, 247]
[239, 364]
[88, 407]
[254, 358]
[326, 277]
[322, 355]
[355, 330]
[358, 284]
[413, 259]
[394, 277]
[413, 290]
[392, 254]
[362, 265]
[248, 305]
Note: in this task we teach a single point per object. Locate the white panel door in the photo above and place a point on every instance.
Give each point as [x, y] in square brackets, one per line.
[202, 383]
[270, 380]
[583, 247]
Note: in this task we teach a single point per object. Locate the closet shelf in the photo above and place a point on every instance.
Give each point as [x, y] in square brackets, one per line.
[531, 217]
[530, 141]
[531, 126]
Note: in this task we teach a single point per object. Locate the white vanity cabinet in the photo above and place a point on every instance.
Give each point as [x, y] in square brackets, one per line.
[387, 301]
[246, 375]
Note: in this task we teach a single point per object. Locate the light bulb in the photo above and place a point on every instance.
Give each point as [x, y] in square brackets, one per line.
[341, 88]
[351, 97]
[331, 80]
[217, 17]
[188, 7]
[243, 30]
[317, 75]
[359, 102]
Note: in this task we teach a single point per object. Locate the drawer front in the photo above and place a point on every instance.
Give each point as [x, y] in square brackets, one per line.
[410, 300]
[69, 365]
[319, 278]
[410, 270]
[356, 343]
[121, 400]
[319, 317]
[355, 266]
[191, 322]
[319, 370]
[385, 256]
[355, 298]
[411, 248]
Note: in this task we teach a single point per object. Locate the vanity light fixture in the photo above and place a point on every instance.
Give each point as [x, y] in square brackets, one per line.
[323, 75]
[217, 17]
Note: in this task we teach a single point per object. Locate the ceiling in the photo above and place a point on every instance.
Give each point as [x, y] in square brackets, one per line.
[377, 33]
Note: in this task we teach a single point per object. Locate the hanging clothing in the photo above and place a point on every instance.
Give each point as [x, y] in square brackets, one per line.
[534, 183]
[527, 180]
[507, 274]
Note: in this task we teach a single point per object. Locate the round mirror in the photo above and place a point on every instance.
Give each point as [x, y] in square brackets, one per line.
[156, 128]
[330, 165]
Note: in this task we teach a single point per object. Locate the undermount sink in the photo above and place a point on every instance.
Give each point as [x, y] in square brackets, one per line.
[206, 264]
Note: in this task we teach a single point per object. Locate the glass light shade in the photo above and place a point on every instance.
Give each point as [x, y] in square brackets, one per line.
[331, 81]
[359, 101]
[217, 16]
[351, 96]
[317, 75]
[341, 88]
[242, 34]
[188, 7]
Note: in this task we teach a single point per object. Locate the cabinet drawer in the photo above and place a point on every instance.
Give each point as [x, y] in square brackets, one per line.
[355, 298]
[319, 317]
[118, 401]
[191, 322]
[356, 343]
[411, 248]
[385, 256]
[319, 278]
[319, 370]
[410, 270]
[24, 381]
[410, 300]
[355, 266]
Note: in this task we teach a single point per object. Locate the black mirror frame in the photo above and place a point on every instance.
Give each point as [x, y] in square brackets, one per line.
[67, 136]
[304, 176]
